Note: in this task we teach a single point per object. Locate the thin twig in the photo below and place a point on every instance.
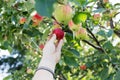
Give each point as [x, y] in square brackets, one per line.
[117, 32]
[98, 43]
[111, 23]
[56, 21]
[96, 47]
[93, 37]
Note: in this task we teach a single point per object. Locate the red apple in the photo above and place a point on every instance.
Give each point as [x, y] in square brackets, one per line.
[59, 33]
[22, 20]
[36, 18]
[63, 13]
[41, 46]
[83, 67]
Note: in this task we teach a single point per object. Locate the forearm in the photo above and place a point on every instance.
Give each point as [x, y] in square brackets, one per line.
[47, 62]
[44, 74]
[51, 56]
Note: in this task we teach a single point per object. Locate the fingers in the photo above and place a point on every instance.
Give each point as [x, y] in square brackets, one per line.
[53, 38]
[49, 37]
[59, 46]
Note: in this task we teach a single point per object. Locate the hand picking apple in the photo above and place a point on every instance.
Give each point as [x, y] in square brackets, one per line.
[59, 33]
[51, 56]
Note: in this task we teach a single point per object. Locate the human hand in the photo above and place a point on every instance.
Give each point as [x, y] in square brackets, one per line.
[51, 52]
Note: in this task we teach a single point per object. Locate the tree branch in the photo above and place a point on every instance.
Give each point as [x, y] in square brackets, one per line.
[93, 37]
[117, 32]
[117, 14]
[96, 47]
[56, 21]
[97, 42]
[111, 23]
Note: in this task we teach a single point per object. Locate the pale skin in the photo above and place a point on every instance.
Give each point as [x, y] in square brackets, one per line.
[51, 56]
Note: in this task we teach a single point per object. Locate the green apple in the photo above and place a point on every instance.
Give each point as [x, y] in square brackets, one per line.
[105, 1]
[96, 18]
[63, 13]
[80, 17]
[29, 71]
[81, 34]
[73, 26]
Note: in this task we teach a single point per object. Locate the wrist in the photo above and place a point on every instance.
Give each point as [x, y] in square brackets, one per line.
[47, 62]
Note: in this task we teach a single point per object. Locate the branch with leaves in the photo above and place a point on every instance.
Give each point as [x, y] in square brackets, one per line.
[117, 32]
[98, 47]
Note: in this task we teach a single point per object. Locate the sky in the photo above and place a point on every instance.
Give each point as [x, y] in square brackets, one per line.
[5, 52]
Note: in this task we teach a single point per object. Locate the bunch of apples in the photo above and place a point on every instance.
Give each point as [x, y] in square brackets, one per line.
[63, 14]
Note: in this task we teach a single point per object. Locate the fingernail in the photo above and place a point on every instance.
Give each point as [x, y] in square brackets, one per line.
[54, 35]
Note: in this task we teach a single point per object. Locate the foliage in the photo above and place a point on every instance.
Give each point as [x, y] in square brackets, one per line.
[99, 53]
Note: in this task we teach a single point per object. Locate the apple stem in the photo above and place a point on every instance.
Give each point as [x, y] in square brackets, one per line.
[73, 34]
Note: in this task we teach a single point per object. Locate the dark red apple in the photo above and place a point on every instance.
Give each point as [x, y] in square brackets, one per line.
[59, 33]
[83, 67]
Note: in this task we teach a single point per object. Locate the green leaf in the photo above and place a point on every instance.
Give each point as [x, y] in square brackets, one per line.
[44, 7]
[108, 45]
[117, 6]
[69, 37]
[75, 52]
[28, 5]
[102, 33]
[104, 74]
[117, 76]
[70, 61]
[2, 47]
[33, 32]
[13, 19]
[68, 53]
[5, 45]
[80, 2]
[109, 33]
[46, 33]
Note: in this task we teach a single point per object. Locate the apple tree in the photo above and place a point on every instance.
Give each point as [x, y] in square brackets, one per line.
[91, 49]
